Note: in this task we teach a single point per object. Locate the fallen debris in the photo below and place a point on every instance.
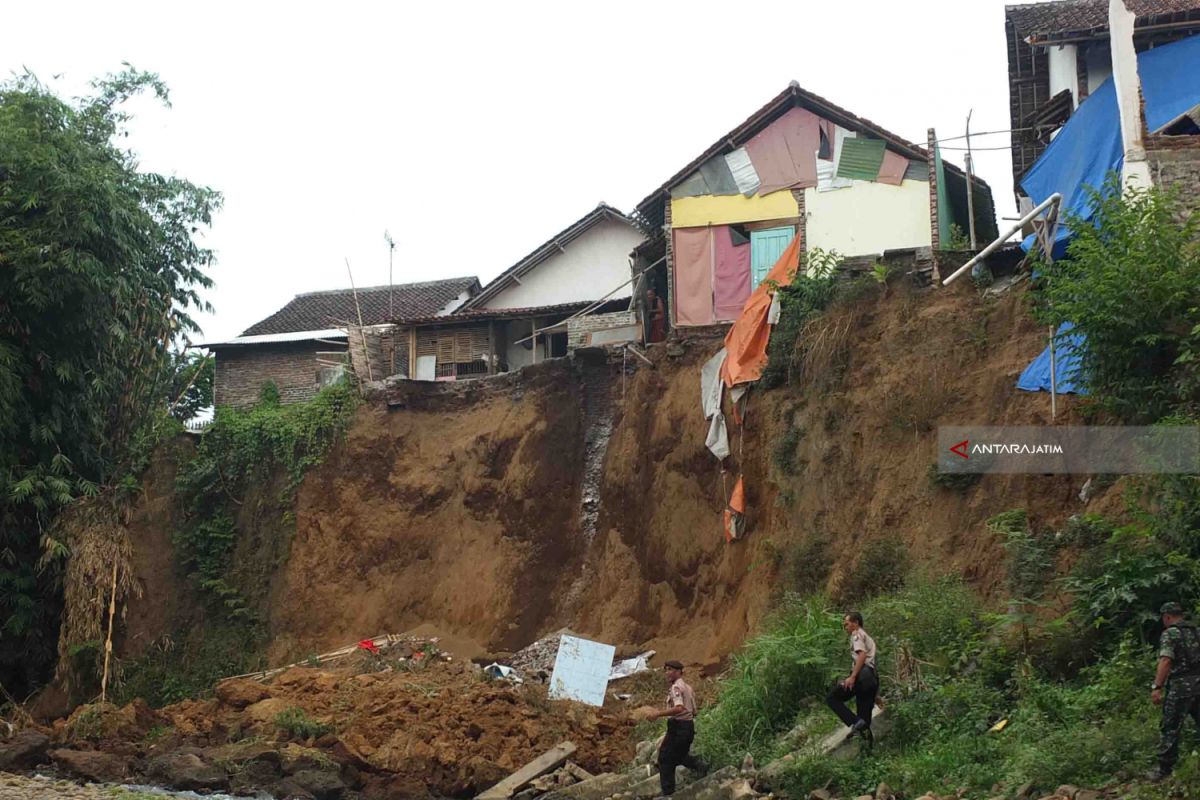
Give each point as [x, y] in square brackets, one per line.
[544, 763]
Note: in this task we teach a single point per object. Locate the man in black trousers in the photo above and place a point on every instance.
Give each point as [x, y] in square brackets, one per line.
[677, 744]
[863, 683]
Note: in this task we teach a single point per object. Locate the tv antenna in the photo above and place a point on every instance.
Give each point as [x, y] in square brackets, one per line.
[391, 243]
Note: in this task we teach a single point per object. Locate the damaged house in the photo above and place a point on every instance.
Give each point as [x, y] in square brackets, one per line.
[303, 346]
[572, 289]
[1059, 54]
[798, 167]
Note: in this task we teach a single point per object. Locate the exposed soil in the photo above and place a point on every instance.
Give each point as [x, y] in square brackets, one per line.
[458, 508]
[440, 729]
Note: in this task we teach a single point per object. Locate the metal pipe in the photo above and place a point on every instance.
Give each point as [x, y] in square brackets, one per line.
[1053, 379]
[1052, 200]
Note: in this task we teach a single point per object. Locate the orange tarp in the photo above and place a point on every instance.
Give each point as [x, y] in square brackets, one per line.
[746, 342]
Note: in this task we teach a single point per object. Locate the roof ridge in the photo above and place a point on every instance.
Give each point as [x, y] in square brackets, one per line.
[379, 287]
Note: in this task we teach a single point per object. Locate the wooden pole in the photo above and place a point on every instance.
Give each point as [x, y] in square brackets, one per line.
[970, 188]
[112, 609]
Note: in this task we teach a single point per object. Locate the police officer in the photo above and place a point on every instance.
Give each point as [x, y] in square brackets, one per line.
[1179, 673]
[680, 712]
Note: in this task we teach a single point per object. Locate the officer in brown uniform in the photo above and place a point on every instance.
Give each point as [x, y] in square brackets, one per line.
[863, 683]
[677, 744]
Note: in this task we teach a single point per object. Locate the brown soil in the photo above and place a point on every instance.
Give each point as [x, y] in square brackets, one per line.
[440, 730]
[457, 508]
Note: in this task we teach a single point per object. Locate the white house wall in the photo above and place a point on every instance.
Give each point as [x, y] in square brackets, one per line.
[868, 218]
[592, 266]
[1099, 65]
[1064, 70]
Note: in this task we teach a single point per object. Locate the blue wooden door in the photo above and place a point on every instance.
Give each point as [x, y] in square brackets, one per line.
[765, 249]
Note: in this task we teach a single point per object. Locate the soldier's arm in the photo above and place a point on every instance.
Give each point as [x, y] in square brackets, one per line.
[1164, 669]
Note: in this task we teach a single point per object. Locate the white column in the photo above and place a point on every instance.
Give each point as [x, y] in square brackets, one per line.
[1136, 172]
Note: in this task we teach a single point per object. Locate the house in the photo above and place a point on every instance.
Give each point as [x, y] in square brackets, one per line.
[799, 166]
[531, 311]
[303, 345]
[1059, 54]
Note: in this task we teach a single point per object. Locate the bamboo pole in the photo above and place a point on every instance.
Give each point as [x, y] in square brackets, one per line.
[362, 334]
[112, 609]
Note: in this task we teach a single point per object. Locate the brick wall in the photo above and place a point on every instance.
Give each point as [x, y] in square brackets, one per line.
[386, 350]
[1175, 164]
[578, 327]
[243, 371]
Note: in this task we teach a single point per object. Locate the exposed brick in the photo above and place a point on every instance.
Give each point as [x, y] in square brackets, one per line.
[242, 372]
[580, 326]
[1175, 165]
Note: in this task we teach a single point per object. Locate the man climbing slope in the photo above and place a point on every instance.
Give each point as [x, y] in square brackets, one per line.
[680, 712]
[863, 683]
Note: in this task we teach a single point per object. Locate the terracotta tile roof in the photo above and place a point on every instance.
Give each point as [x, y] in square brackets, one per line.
[319, 310]
[1073, 16]
[484, 314]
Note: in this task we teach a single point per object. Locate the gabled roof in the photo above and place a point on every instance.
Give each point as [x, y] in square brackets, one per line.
[1055, 21]
[650, 212]
[544, 251]
[316, 311]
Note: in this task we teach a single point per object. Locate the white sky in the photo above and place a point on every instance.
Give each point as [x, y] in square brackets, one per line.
[475, 131]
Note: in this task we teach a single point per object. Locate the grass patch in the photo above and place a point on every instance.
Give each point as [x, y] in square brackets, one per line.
[298, 725]
[954, 481]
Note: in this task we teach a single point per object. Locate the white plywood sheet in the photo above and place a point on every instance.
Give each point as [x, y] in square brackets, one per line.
[581, 670]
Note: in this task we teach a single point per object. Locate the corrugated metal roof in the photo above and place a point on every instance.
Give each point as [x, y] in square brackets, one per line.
[277, 338]
[860, 158]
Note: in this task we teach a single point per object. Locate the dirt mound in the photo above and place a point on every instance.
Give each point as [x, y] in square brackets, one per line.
[441, 729]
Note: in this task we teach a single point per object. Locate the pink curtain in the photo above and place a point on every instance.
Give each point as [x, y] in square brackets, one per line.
[693, 276]
[785, 154]
[731, 275]
[893, 168]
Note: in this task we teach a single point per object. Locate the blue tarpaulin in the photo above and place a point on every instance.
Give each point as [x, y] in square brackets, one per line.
[1083, 153]
[1067, 380]
[1089, 145]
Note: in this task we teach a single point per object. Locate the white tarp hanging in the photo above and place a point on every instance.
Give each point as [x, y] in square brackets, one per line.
[711, 385]
[718, 437]
[711, 389]
[744, 174]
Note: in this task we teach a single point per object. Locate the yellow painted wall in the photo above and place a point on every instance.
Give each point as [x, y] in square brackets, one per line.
[868, 218]
[695, 212]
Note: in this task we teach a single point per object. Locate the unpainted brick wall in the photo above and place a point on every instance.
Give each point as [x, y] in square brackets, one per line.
[580, 326]
[1175, 164]
[386, 348]
[243, 371]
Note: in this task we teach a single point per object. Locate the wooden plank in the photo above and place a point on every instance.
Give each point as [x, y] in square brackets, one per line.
[552, 759]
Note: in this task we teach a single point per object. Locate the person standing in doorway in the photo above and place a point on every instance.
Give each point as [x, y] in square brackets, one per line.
[863, 683]
[1179, 674]
[658, 316]
[680, 712]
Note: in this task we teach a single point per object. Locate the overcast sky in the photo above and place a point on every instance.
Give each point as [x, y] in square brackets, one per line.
[475, 131]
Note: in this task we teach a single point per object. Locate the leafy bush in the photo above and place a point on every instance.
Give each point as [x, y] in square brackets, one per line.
[807, 564]
[882, 566]
[297, 724]
[805, 297]
[241, 449]
[168, 672]
[783, 454]
[1129, 285]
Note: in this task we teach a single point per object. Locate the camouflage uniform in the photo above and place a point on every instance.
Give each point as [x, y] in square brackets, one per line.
[1181, 644]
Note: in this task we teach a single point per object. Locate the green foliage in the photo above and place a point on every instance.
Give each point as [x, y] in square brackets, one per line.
[806, 565]
[169, 672]
[809, 293]
[1131, 285]
[882, 566]
[245, 448]
[783, 454]
[1030, 556]
[191, 388]
[297, 724]
[99, 272]
[959, 240]
[956, 481]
